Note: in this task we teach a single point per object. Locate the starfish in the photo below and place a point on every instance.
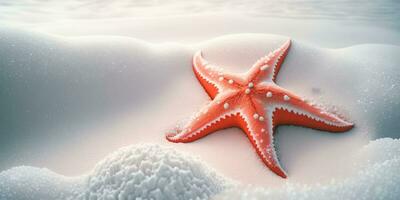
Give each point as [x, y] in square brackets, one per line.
[256, 104]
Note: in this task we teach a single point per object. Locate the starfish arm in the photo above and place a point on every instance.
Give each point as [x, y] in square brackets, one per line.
[289, 109]
[267, 67]
[218, 114]
[211, 77]
[259, 129]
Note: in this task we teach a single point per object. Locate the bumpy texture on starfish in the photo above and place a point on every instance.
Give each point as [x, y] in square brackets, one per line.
[254, 103]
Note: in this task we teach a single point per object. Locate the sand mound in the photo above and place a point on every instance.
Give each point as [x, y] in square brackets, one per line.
[152, 172]
[142, 171]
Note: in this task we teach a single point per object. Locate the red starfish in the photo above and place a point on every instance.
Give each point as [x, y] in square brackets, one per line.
[254, 103]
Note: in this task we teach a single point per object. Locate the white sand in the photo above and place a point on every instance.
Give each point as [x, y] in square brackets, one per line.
[376, 179]
[67, 102]
[153, 172]
[143, 171]
[77, 95]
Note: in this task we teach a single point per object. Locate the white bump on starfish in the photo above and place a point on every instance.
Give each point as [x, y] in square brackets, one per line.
[264, 67]
[251, 85]
[247, 91]
[221, 78]
[286, 98]
[255, 116]
[261, 118]
[230, 81]
[269, 94]
[262, 130]
[226, 105]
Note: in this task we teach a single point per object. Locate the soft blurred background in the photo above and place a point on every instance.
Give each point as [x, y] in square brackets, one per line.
[45, 11]
[315, 21]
